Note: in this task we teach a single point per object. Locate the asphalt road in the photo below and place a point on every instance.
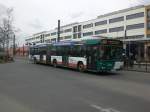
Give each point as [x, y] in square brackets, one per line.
[26, 87]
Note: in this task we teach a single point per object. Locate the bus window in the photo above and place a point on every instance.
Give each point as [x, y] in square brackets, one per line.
[71, 51]
[101, 52]
[53, 51]
[58, 51]
[83, 51]
[105, 52]
[116, 52]
[36, 51]
[42, 50]
[110, 52]
[75, 51]
[95, 51]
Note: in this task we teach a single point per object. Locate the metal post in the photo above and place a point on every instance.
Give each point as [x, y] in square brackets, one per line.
[129, 53]
[125, 47]
[125, 36]
[58, 32]
[146, 55]
[23, 49]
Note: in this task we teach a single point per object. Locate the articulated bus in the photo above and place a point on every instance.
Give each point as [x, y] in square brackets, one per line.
[98, 55]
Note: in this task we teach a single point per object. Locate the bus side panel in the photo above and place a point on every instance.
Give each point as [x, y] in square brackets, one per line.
[44, 59]
[73, 61]
[30, 57]
[118, 65]
[57, 58]
[37, 57]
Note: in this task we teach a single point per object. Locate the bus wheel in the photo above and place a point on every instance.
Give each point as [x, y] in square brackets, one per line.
[81, 67]
[55, 63]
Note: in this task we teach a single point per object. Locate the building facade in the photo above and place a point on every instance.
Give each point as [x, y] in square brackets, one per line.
[147, 44]
[131, 24]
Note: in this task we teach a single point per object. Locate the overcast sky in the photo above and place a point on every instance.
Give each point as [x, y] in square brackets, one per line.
[32, 16]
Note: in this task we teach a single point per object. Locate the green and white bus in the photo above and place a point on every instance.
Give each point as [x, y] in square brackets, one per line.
[98, 55]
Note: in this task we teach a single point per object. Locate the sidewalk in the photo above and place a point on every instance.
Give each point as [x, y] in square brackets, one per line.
[143, 67]
[21, 57]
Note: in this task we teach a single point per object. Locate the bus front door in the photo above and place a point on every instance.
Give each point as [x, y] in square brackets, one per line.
[91, 57]
[65, 56]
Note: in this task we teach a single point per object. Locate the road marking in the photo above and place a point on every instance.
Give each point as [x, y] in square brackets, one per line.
[100, 109]
[96, 107]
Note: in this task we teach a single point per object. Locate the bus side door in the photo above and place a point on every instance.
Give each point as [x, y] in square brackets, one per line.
[48, 55]
[92, 51]
[65, 55]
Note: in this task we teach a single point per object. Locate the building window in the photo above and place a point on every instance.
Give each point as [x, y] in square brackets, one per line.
[68, 30]
[47, 41]
[53, 40]
[135, 26]
[100, 31]
[148, 13]
[42, 38]
[68, 37]
[61, 38]
[135, 36]
[118, 19]
[79, 35]
[54, 33]
[88, 26]
[116, 29]
[47, 35]
[37, 37]
[79, 28]
[101, 23]
[75, 29]
[134, 16]
[88, 34]
[75, 36]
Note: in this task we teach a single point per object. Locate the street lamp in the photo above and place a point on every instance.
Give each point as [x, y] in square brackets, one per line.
[125, 46]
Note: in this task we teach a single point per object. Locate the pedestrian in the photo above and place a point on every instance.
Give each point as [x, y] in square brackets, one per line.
[131, 59]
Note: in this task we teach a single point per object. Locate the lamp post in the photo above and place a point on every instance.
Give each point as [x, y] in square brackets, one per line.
[125, 47]
[58, 32]
[125, 35]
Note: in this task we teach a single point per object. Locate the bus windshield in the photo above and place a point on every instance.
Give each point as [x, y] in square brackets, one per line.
[108, 52]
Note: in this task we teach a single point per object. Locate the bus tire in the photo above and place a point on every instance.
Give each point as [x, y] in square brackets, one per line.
[55, 63]
[81, 67]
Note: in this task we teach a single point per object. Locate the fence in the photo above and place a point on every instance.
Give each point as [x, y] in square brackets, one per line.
[140, 66]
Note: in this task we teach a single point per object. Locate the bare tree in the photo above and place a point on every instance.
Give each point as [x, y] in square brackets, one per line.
[6, 28]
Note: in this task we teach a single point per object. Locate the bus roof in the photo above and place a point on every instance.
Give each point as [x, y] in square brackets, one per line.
[100, 41]
[86, 42]
[67, 43]
[92, 41]
[41, 45]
